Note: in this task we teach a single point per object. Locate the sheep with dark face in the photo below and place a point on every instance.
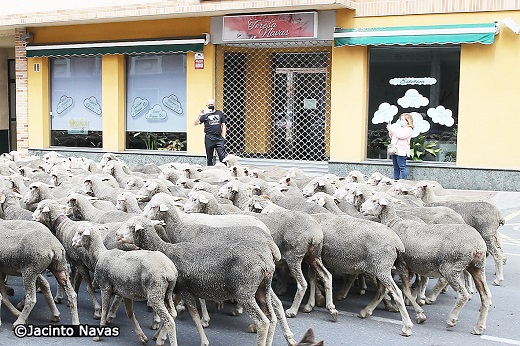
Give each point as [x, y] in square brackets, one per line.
[27, 249]
[133, 275]
[437, 251]
[237, 269]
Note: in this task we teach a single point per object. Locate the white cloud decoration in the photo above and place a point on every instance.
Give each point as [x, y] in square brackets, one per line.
[384, 114]
[420, 125]
[441, 115]
[157, 112]
[412, 99]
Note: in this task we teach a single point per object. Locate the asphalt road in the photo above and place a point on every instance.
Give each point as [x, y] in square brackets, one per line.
[380, 329]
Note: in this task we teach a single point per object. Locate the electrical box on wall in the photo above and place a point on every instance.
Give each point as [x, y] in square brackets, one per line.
[36, 67]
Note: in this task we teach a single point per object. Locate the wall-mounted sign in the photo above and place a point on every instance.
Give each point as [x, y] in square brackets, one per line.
[309, 104]
[270, 26]
[199, 61]
[78, 127]
[413, 81]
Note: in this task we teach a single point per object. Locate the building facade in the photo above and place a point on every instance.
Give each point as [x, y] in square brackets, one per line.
[307, 83]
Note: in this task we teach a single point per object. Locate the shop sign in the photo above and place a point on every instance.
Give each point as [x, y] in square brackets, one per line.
[199, 61]
[270, 26]
[413, 81]
[78, 127]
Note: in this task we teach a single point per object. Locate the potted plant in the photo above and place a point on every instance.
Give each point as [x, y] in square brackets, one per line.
[420, 148]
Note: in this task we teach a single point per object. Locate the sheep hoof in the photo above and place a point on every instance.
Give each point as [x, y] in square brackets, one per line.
[97, 316]
[421, 301]
[96, 338]
[334, 314]
[251, 328]
[154, 326]
[497, 282]
[451, 323]
[143, 339]
[362, 292]
[364, 313]
[478, 330]
[290, 313]
[429, 301]
[57, 300]
[204, 323]
[308, 308]
[421, 317]
[55, 318]
[406, 331]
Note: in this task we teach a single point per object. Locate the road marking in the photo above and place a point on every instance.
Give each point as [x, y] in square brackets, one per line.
[509, 239]
[512, 216]
[502, 340]
[511, 254]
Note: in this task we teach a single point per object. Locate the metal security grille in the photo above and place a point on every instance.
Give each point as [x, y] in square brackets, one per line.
[276, 98]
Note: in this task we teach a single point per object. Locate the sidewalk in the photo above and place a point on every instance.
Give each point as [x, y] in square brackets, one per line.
[507, 202]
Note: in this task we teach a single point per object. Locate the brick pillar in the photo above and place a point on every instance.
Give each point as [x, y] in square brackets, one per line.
[22, 120]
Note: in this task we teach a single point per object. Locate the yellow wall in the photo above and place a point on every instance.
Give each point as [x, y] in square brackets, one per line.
[201, 87]
[113, 101]
[39, 103]
[349, 99]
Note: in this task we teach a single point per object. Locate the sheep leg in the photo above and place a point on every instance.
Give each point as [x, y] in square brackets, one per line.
[404, 274]
[29, 282]
[6, 301]
[421, 289]
[256, 311]
[42, 282]
[189, 302]
[295, 268]
[346, 287]
[72, 296]
[205, 314]
[113, 308]
[455, 282]
[278, 310]
[467, 283]
[326, 278]
[362, 283]
[437, 289]
[485, 298]
[391, 287]
[129, 307]
[282, 277]
[311, 303]
[496, 252]
[85, 275]
[156, 322]
[369, 309]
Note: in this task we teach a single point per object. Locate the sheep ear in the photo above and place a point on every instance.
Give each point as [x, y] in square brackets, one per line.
[153, 185]
[383, 201]
[258, 205]
[321, 201]
[203, 199]
[321, 182]
[138, 227]
[163, 207]
[86, 231]
[2, 198]
[46, 209]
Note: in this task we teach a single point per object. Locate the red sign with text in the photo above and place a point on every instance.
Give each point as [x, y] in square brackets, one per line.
[270, 26]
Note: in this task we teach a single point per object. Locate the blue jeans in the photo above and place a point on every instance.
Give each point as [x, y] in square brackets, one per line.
[399, 163]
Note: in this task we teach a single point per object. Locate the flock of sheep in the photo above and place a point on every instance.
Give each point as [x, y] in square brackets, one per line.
[177, 235]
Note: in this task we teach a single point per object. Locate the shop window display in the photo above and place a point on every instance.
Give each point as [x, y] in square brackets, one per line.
[423, 81]
[156, 102]
[76, 112]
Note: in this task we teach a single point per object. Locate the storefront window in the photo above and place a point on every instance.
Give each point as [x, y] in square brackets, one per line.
[423, 81]
[76, 102]
[156, 102]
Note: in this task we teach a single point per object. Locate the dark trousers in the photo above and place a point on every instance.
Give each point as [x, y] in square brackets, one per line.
[213, 142]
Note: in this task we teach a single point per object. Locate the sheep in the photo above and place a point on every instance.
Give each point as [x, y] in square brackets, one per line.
[153, 187]
[355, 246]
[437, 251]
[327, 201]
[27, 249]
[95, 185]
[205, 202]
[235, 191]
[356, 177]
[231, 160]
[426, 191]
[237, 269]
[260, 187]
[318, 184]
[299, 238]
[212, 175]
[39, 191]
[108, 157]
[169, 174]
[297, 235]
[482, 215]
[10, 208]
[133, 275]
[120, 171]
[127, 202]
[82, 209]
[17, 183]
[147, 168]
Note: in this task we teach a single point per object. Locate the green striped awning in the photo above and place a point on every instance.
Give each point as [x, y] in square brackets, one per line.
[118, 47]
[417, 35]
